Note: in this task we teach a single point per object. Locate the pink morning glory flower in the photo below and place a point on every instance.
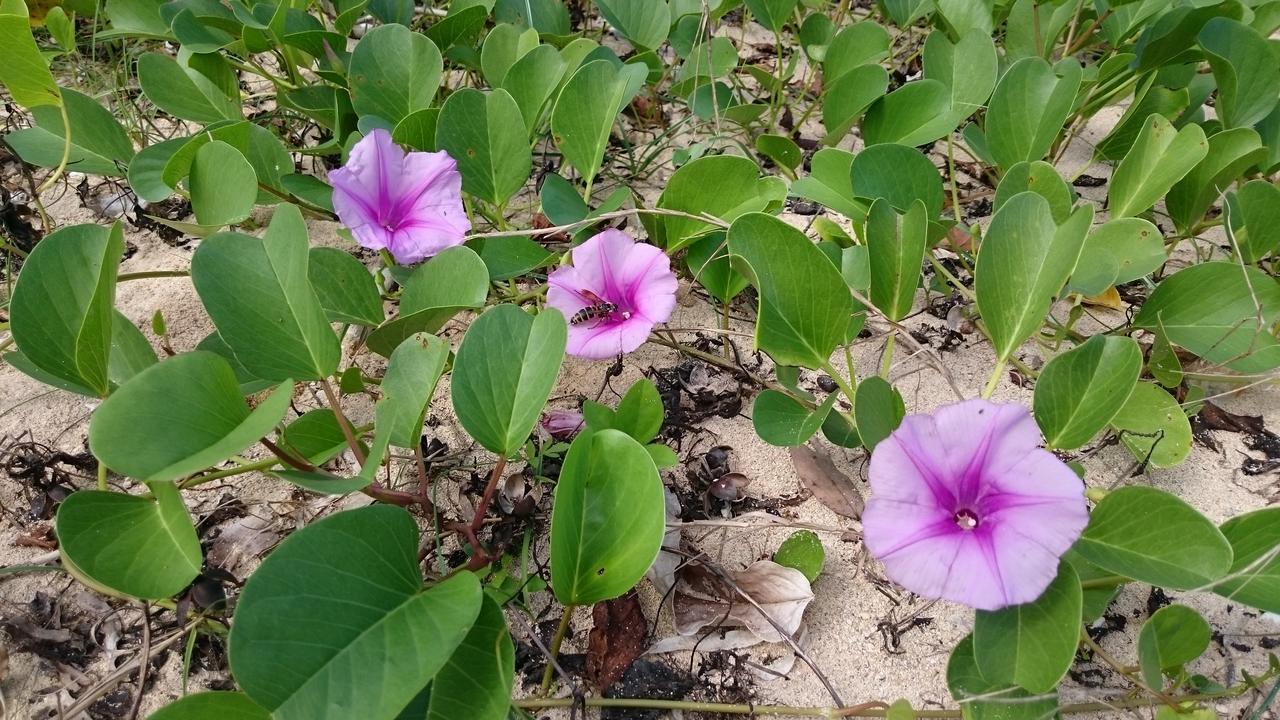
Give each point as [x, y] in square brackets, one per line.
[561, 424]
[614, 293]
[967, 506]
[409, 204]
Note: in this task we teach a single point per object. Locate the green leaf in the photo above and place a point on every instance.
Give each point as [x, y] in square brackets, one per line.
[878, 410]
[1023, 263]
[723, 186]
[829, 183]
[224, 185]
[1253, 536]
[1080, 391]
[968, 68]
[1028, 108]
[1163, 362]
[249, 383]
[781, 420]
[260, 299]
[848, 96]
[857, 44]
[508, 257]
[475, 684]
[394, 72]
[453, 281]
[710, 265]
[1220, 311]
[1245, 68]
[803, 551]
[129, 545]
[896, 245]
[898, 174]
[608, 518]
[99, 146]
[1160, 157]
[1175, 635]
[180, 416]
[583, 117]
[1098, 598]
[1042, 179]
[219, 705]
[963, 16]
[804, 306]
[61, 311]
[1156, 430]
[180, 88]
[773, 14]
[532, 80]
[1255, 220]
[1031, 645]
[492, 152]
[131, 352]
[410, 380]
[782, 150]
[1153, 537]
[545, 16]
[982, 699]
[1175, 31]
[346, 290]
[1117, 252]
[504, 372]
[340, 604]
[315, 435]
[640, 412]
[146, 170]
[917, 113]
[24, 71]
[1231, 153]
[644, 23]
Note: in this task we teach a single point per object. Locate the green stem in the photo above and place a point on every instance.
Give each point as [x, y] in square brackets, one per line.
[146, 274]
[343, 424]
[66, 150]
[955, 190]
[993, 380]
[886, 359]
[199, 480]
[556, 642]
[102, 475]
[847, 386]
[1106, 581]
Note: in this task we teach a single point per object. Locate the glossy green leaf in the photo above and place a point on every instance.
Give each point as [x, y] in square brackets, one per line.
[127, 544]
[584, 114]
[804, 306]
[1028, 108]
[915, 114]
[259, 296]
[224, 185]
[781, 420]
[1253, 579]
[1173, 636]
[709, 264]
[453, 281]
[1231, 153]
[475, 684]
[180, 416]
[723, 186]
[315, 435]
[508, 257]
[848, 96]
[983, 699]
[346, 290]
[898, 174]
[781, 149]
[1160, 157]
[1175, 31]
[855, 45]
[340, 603]
[504, 372]
[1023, 263]
[217, 705]
[829, 183]
[1117, 252]
[505, 44]
[1155, 429]
[878, 409]
[640, 412]
[181, 90]
[394, 72]
[1080, 391]
[963, 16]
[1255, 220]
[492, 152]
[131, 352]
[146, 169]
[644, 23]
[99, 145]
[532, 80]
[1031, 645]
[1220, 311]
[968, 68]
[803, 551]
[61, 311]
[1246, 70]
[608, 518]
[1153, 537]
[410, 380]
[896, 245]
[24, 72]
[1042, 179]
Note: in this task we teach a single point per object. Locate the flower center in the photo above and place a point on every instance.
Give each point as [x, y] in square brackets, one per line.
[966, 519]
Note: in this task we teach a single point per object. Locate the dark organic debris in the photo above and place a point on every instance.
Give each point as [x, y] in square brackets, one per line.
[1089, 181]
[694, 391]
[14, 223]
[819, 475]
[1256, 436]
[44, 473]
[616, 640]
[649, 679]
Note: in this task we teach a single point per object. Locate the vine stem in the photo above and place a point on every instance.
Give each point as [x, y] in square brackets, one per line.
[126, 277]
[994, 380]
[347, 432]
[487, 499]
[710, 220]
[556, 642]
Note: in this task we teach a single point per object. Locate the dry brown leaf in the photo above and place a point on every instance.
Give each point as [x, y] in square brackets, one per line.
[702, 599]
[819, 475]
[1109, 298]
[617, 639]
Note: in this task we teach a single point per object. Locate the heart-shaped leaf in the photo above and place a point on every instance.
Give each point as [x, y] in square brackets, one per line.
[1153, 537]
[1253, 536]
[394, 72]
[779, 419]
[608, 519]
[1031, 645]
[532, 80]
[1175, 635]
[773, 14]
[99, 146]
[855, 45]
[492, 152]
[878, 409]
[475, 684]
[898, 174]
[983, 699]
[1160, 157]
[61, 308]
[223, 185]
[896, 244]
[1042, 179]
[1245, 68]
[1154, 427]
[1080, 391]
[260, 298]
[968, 69]
[129, 545]
[346, 290]
[1231, 153]
[915, 114]
[453, 281]
[644, 23]
[412, 373]
[219, 705]
[504, 372]
[709, 264]
[829, 183]
[179, 88]
[1028, 108]
[805, 306]
[848, 96]
[1117, 252]
[1255, 220]
[587, 108]
[722, 186]
[341, 604]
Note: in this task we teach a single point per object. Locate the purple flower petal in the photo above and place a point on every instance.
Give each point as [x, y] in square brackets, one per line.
[409, 204]
[613, 294]
[966, 506]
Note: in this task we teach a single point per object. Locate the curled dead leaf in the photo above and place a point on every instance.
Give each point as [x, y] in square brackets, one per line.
[702, 599]
[1109, 298]
[819, 475]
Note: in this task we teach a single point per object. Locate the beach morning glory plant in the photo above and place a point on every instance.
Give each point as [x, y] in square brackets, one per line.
[615, 292]
[409, 204]
[967, 506]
